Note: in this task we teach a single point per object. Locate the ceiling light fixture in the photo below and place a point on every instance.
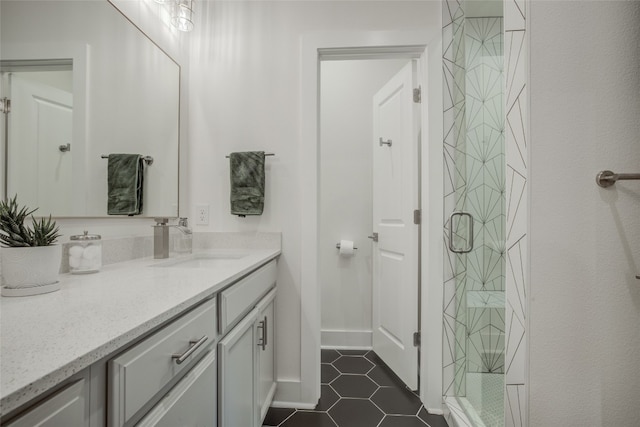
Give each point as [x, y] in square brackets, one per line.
[182, 15]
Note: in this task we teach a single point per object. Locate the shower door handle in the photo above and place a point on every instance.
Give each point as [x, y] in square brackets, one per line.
[469, 248]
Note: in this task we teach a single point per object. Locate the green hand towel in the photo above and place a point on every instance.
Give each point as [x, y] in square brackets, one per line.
[247, 183]
[124, 182]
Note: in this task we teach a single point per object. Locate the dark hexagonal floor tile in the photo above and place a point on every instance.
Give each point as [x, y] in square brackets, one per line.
[309, 419]
[353, 365]
[328, 373]
[275, 416]
[356, 413]
[432, 420]
[401, 421]
[374, 358]
[383, 376]
[397, 401]
[327, 398]
[354, 386]
[328, 356]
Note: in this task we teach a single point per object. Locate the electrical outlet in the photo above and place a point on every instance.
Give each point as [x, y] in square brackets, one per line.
[202, 215]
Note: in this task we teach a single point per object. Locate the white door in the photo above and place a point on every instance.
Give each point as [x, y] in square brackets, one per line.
[40, 122]
[395, 197]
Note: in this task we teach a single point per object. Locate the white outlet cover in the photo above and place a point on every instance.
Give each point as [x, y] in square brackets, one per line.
[202, 215]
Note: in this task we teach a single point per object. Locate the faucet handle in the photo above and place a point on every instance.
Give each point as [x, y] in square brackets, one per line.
[183, 222]
[161, 221]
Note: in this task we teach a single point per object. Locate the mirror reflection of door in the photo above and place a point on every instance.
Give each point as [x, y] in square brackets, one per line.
[39, 131]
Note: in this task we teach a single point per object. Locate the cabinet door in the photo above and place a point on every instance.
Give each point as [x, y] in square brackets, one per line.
[191, 402]
[68, 407]
[237, 353]
[265, 325]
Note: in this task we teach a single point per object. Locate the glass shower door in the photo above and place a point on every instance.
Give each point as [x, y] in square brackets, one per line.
[475, 223]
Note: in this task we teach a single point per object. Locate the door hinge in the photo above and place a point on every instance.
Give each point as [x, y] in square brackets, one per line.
[416, 339]
[417, 216]
[417, 95]
[5, 105]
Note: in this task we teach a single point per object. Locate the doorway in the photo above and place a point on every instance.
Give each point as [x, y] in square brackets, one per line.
[370, 295]
[425, 46]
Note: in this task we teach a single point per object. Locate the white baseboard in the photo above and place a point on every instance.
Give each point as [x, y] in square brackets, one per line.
[343, 339]
[292, 405]
[289, 395]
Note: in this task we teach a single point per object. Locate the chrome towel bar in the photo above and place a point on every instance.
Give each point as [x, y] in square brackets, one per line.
[607, 178]
[266, 154]
[147, 159]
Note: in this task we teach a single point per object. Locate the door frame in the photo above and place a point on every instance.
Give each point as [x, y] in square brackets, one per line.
[370, 45]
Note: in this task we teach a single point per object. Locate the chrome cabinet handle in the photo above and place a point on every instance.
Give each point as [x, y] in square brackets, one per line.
[470, 239]
[262, 341]
[179, 358]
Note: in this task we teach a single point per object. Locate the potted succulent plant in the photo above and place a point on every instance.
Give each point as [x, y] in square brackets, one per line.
[29, 257]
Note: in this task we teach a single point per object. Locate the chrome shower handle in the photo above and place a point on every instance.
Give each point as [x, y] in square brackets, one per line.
[470, 239]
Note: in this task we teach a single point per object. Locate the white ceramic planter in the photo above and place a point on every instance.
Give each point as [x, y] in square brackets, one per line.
[31, 270]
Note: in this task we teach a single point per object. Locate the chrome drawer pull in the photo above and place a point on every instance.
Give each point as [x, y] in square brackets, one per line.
[179, 358]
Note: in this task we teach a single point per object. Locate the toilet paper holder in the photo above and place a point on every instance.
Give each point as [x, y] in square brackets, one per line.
[338, 246]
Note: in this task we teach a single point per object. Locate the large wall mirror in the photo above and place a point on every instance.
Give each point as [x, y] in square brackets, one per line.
[84, 83]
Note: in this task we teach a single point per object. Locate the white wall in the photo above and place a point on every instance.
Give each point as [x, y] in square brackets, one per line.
[244, 95]
[585, 241]
[346, 135]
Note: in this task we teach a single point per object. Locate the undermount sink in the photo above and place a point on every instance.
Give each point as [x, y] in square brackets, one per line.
[202, 261]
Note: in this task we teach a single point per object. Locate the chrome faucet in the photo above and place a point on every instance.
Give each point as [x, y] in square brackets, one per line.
[183, 244]
[183, 226]
[161, 237]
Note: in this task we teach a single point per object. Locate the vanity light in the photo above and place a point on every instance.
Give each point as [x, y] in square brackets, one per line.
[182, 15]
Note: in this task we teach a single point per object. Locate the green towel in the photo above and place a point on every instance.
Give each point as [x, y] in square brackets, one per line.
[124, 182]
[247, 183]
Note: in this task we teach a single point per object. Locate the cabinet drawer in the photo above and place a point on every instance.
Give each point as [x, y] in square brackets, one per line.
[141, 372]
[191, 402]
[241, 297]
[68, 407]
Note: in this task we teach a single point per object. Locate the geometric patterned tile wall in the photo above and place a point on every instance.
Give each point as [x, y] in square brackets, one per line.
[454, 141]
[484, 194]
[516, 57]
[473, 306]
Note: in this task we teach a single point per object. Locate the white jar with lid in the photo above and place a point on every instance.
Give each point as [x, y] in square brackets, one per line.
[85, 253]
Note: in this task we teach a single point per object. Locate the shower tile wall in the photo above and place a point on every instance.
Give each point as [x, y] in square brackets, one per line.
[485, 194]
[453, 327]
[517, 286]
[473, 321]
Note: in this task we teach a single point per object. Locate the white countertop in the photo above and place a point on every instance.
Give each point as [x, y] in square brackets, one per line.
[45, 339]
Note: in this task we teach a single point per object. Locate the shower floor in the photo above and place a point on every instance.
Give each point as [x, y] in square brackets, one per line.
[484, 403]
[358, 390]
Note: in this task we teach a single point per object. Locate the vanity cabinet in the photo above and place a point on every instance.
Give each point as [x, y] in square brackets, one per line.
[246, 382]
[213, 365]
[265, 326]
[139, 376]
[67, 407]
[191, 402]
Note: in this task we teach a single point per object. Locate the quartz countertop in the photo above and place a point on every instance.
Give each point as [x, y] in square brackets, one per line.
[45, 339]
